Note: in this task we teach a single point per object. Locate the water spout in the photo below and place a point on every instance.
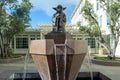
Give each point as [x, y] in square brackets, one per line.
[60, 57]
[56, 62]
[25, 65]
[89, 63]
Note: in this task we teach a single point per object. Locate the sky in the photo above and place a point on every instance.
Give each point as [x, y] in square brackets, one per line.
[42, 11]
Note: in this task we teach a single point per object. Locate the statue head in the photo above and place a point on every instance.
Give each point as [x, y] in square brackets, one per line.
[59, 8]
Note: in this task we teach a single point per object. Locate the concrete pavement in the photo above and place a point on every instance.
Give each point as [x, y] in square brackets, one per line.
[8, 69]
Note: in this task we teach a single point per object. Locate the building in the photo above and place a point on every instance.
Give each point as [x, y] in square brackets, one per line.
[20, 43]
[102, 18]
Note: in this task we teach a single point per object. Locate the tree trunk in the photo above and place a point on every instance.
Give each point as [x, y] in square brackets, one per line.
[1, 45]
[7, 46]
[108, 49]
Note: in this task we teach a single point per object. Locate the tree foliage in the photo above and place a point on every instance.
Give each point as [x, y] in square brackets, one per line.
[13, 17]
[112, 8]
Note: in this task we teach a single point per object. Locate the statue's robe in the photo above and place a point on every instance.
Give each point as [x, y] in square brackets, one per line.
[59, 21]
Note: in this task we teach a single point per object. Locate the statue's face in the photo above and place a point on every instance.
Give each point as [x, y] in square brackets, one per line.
[59, 9]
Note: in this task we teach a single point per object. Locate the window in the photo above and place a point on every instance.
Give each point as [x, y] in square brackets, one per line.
[91, 42]
[74, 38]
[100, 21]
[79, 38]
[38, 38]
[21, 42]
[25, 35]
[97, 5]
[92, 10]
[112, 41]
[38, 35]
[32, 38]
[13, 43]
[108, 40]
[32, 35]
[108, 21]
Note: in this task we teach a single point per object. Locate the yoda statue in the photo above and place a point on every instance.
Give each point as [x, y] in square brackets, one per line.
[59, 19]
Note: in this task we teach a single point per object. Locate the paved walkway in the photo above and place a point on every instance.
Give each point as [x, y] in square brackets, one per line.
[7, 69]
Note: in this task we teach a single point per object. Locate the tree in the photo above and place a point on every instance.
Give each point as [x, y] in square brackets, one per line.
[93, 27]
[13, 17]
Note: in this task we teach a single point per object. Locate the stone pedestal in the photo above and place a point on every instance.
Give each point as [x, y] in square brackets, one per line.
[58, 57]
[58, 37]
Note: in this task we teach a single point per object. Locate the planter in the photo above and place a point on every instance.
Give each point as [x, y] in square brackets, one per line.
[12, 60]
[102, 51]
[106, 63]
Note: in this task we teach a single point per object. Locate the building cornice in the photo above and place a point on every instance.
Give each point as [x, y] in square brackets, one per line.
[45, 28]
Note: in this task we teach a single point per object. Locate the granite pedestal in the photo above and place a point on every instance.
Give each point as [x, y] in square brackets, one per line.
[58, 57]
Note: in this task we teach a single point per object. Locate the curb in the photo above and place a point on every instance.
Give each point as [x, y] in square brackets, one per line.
[105, 63]
[2, 61]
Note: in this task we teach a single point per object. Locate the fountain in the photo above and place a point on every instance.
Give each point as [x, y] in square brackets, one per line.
[58, 56]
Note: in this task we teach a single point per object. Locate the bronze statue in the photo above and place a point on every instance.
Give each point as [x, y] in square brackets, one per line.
[59, 19]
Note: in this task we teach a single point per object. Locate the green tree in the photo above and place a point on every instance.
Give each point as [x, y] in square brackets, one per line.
[13, 17]
[112, 9]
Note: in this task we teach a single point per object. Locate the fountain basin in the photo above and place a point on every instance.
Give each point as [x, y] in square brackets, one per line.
[81, 76]
[58, 61]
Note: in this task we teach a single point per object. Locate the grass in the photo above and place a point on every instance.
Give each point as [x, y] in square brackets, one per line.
[107, 59]
[11, 56]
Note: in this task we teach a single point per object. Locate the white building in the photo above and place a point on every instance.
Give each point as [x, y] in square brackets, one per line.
[77, 16]
[103, 20]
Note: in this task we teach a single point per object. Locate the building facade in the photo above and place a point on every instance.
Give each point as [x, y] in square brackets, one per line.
[102, 19]
[20, 43]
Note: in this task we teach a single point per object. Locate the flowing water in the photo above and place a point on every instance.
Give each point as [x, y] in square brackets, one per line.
[25, 65]
[60, 59]
[65, 58]
[89, 64]
[56, 63]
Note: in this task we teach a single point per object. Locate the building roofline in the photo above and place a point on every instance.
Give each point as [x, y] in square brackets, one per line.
[76, 8]
[50, 25]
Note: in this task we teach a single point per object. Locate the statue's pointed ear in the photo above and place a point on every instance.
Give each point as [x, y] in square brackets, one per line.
[64, 8]
[54, 8]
